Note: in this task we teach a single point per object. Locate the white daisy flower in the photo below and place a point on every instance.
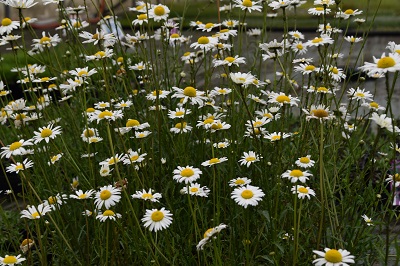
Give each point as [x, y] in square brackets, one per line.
[367, 220]
[46, 133]
[15, 168]
[156, 220]
[333, 257]
[186, 174]
[107, 196]
[249, 158]
[80, 195]
[303, 192]
[10, 259]
[210, 234]
[15, 148]
[296, 175]
[247, 195]
[195, 189]
[239, 181]
[214, 161]
[147, 195]
[108, 215]
[35, 212]
[305, 162]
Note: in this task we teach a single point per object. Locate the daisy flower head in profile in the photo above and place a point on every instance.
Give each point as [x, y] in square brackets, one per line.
[239, 181]
[373, 106]
[34, 212]
[133, 157]
[214, 161]
[319, 112]
[229, 61]
[107, 115]
[249, 158]
[333, 257]
[191, 94]
[107, 196]
[367, 220]
[319, 10]
[279, 4]
[108, 215]
[15, 148]
[248, 5]
[46, 133]
[247, 195]
[319, 41]
[181, 127]
[382, 65]
[179, 112]
[242, 79]
[210, 234]
[296, 175]
[359, 95]
[195, 189]
[303, 192]
[305, 162]
[46, 41]
[276, 136]
[11, 260]
[80, 195]
[205, 43]
[186, 174]
[282, 99]
[147, 195]
[156, 220]
[15, 168]
[55, 201]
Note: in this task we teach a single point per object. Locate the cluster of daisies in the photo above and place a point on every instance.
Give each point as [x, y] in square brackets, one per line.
[182, 101]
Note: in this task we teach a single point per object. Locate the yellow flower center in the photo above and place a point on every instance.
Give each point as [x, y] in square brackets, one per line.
[174, 35]
[25, 242]
[187, 172]
[44, 39]
[82, 196]
[203, 40]
[15, 145]
[95, 36]
[209, 25]
[132, 123]
[277, 137]
[247, 194]
[222, 91]
[214, 160]
[304, 160]
[386, 62]
[334, 70]
[250, 158]
[216, 126]
[296, 35]
[360, 94]
[320, 113]
[52, 200]
[159, 10]
[396, 178]
[247, 3]
[333, 256]
[181, 125]
[283, 99]
[46, 132]
[397, 51]
[147, 196]
[239, 182]
[35, 215]
[10, 260]
[88, 133]
[224, 30]
[26, 19]
[120, 59]
[319, 8]
[179, 113]
[296, 173]
[303, 190]
[20, 117]
[82, 73]
[207, 232]
[108, 213]
[77, 24]
[19, 167]
[257, 124]
[317, 40]
[374, 104]
[105, 194]
[157, 216]
[90, 110]
[142, 16]
[322, 89]
[230, 23]
[100, 54]
[134, 157]
[6, 22]
[194, 189]
[349, 11]
[299, 46]
[105, 114]
[230, 59]
[190, 92]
